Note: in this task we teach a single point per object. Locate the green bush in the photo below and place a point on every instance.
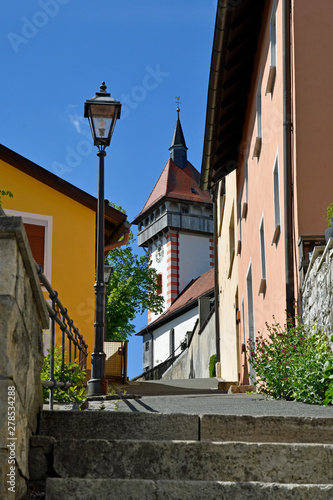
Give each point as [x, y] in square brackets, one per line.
[293, 362]
[71, 372]
[212, 367]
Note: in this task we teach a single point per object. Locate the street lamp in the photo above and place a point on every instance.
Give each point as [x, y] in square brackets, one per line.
[102, 112]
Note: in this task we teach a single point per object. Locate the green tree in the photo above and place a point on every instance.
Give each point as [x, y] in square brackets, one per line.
[132, 290]
[5, 192]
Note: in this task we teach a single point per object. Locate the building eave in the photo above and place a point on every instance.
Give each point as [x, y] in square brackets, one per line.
[114, 219]
[236, 34]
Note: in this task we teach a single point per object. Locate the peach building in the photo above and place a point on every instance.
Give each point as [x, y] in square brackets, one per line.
[268, 125]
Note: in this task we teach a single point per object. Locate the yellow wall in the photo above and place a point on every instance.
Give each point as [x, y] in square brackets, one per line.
[73, 243]
[228, 280]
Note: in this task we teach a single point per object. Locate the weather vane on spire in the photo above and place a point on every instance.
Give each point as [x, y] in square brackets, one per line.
[178, 102]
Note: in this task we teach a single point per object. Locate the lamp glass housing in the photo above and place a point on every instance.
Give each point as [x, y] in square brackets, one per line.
[107, 273]
[102, 112]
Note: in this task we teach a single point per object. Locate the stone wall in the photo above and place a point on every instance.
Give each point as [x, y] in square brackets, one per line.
[194, 361]
[317, 290]
[23, 315]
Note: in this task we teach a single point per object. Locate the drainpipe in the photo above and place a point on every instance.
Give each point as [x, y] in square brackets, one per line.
[122, 242]
[287, 161]
[152, 350]
[216, 278]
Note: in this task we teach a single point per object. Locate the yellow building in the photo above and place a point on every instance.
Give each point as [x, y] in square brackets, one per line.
[60, 221]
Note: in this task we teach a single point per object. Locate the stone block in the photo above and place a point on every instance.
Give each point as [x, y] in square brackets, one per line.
[195, 461]
[266, 429]
[90, 489]
[71, 489]
[113, 425]
[224, 386]
[20, 487]
[8, 253]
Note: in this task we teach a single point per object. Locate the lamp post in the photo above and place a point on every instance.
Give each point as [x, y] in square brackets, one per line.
[102, 112]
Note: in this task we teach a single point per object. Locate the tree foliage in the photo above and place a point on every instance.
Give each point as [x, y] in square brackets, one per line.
[5, 192]
[132, 290]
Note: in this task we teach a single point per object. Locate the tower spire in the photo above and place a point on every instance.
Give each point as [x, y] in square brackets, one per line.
[178, 149]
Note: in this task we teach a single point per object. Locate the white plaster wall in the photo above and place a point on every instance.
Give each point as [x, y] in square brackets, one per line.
[181, 325]
[161, 267]
[194, 362]
[228, 283]
[193, 257]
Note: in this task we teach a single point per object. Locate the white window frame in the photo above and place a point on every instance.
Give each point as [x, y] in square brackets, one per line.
[258, 139]
[246, 185]
[272, 50]
[250, 302]
[239, 244]
[262, 287]
[39, 220]
[276, 200]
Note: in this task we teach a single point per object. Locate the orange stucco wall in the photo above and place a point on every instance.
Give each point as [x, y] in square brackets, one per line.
[312, 122]
[73, 243]
[261, 193]
[312, 31]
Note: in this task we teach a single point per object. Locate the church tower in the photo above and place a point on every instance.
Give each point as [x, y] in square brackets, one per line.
[176, 223]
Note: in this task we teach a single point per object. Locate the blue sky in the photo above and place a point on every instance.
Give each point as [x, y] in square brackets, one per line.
[54, 55]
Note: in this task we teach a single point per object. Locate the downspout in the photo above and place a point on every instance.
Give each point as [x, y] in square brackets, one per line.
[287, 163]
[152, 350]
[122, 242]
[216, 279]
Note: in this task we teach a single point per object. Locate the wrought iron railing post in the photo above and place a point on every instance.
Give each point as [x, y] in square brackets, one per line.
[70, 340]
[67, 327]
[52, 296]
[63, 346]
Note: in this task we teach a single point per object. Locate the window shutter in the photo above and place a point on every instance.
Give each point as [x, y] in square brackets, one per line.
[36, 238]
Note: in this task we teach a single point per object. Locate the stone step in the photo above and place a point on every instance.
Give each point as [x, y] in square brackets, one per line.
[167, 426]
[113, 489]
[194, 461]
[118, 425]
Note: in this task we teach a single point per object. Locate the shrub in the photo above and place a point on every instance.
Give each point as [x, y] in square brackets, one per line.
[71, 372]
[329, 214]
[212, 366]
[293, 363]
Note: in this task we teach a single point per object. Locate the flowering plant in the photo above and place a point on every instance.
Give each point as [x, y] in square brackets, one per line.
[292, 362]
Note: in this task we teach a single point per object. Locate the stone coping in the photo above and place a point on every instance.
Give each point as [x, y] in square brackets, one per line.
[12, 227]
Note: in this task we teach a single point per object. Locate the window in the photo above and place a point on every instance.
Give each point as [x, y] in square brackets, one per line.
[246, 185]
[185, 209]
[172, 341]
[262, 287]
[272, 68]
[276, 197]
[243, 321]
[257, 144]
[239, 244]
[159, 284]
[36, 237]
[250, 311]
[147, 346]
[231, 242]
[39, 232]
[221, 204]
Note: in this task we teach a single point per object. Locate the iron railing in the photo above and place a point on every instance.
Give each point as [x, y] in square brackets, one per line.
[59, 315]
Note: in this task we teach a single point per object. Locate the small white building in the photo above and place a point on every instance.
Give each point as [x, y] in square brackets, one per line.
[167, 336]
[176, 226]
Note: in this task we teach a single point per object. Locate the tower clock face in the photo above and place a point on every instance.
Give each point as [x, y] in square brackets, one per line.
[159, 253]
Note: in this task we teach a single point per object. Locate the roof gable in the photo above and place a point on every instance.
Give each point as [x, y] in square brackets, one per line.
[176, 183]
[114, 219]
[187, 299]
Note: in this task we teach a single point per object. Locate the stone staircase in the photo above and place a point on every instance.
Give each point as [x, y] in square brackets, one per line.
[118, 455]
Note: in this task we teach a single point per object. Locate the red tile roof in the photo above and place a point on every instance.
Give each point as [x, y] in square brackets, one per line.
[176, 183]
[199, 287]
